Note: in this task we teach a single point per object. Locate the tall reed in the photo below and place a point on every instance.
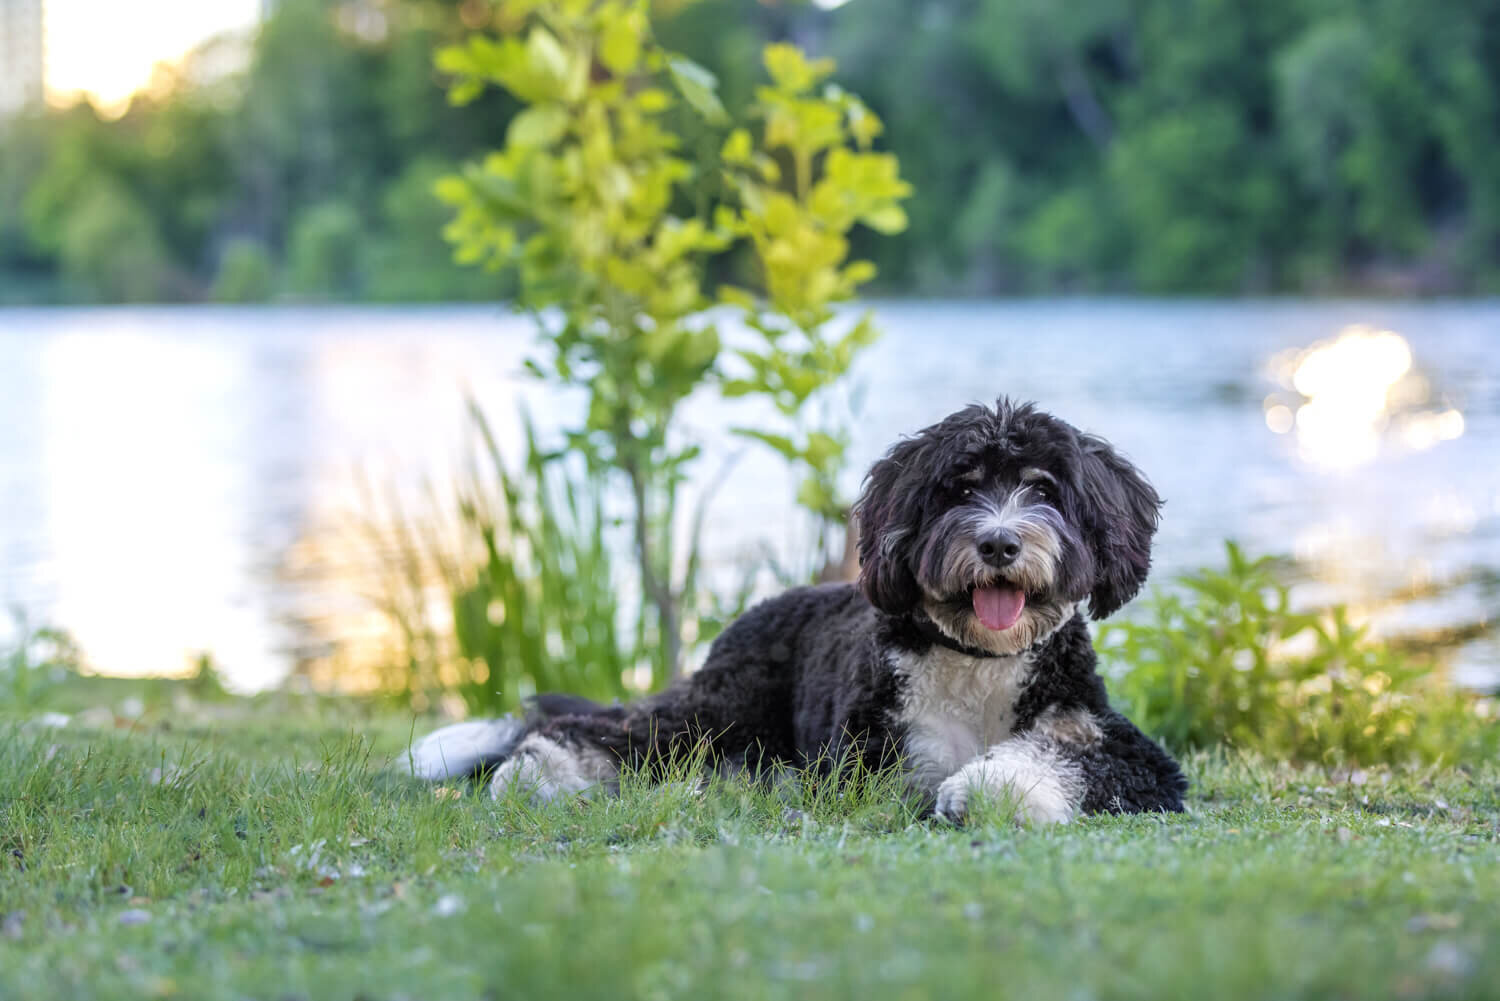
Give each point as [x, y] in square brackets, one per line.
[517, 595]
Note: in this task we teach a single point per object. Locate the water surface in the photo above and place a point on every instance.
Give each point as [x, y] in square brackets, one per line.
[166, 472]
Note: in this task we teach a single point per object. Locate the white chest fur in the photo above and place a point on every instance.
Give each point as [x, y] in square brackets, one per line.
[955, 707]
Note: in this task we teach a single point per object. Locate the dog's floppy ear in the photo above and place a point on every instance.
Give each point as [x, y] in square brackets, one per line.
[888, 516]
[1125, 509]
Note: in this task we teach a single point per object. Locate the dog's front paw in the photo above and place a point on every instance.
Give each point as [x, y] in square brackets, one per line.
[953, 797]
[1042, 787]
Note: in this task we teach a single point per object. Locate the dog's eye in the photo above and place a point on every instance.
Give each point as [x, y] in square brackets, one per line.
[1044, 489]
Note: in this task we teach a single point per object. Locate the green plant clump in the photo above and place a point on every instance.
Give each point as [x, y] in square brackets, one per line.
[515, 598]
[33, 660]
[1228, 660]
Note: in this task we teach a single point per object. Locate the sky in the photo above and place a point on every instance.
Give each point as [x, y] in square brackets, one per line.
[107, 47]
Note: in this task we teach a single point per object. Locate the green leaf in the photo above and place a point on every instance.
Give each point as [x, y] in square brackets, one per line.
[816, 496]
[822, 448]
[781, 443]
[790, 70]
[545, 56]
[538, 126]
[863, 124]
[700, 349]
[698, 87]
[620, 46]
[737, 148]
[451, 189]
[465, 92]
[454, 59]
[731, 296]
[549, 72]
[859, 272]
[652, 100]
[888, 219]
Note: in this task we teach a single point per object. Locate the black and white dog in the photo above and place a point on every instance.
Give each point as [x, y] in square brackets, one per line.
[961, 657]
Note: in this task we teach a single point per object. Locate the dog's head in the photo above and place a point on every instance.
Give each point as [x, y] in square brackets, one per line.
[998, 522]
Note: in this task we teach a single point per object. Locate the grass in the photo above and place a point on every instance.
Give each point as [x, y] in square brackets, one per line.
[263, 849]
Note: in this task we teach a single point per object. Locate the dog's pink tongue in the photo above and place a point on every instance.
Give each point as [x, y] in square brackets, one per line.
[998, 607]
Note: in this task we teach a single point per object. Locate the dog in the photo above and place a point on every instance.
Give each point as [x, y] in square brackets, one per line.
[961, 655]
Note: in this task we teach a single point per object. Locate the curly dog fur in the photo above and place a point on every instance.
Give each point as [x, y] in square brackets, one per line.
[961, 656]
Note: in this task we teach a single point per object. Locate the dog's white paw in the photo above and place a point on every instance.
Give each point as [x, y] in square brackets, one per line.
[544, 770]
[1044, 789]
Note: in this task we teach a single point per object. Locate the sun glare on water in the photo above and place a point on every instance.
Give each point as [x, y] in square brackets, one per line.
[1350, 396]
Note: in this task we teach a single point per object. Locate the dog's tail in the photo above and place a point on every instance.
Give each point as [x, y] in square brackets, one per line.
[476, 746]
[466, 748]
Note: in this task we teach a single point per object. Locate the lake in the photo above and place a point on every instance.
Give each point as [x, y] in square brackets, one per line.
[169, 476]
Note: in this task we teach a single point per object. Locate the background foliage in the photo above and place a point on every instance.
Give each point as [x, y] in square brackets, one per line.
[1154, 146]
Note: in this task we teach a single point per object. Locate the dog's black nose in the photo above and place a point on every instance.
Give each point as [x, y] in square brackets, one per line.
[1000, 549]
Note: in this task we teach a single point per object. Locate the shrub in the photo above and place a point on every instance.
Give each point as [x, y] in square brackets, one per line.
[622, 179]
[111, 247]
[1227, 660]
[32, 659]
[323, 251]
[246, 273]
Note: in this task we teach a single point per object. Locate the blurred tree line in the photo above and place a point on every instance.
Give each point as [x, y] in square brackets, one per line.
[1199, 146]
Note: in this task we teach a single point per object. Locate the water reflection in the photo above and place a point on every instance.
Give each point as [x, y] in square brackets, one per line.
[1348, 396]
[130, 512]
[1392, 532]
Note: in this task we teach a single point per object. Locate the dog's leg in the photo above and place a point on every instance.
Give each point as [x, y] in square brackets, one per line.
[1044, 785]
[550, 765]
[1070, 762]
[565, 756]
[1128, 772]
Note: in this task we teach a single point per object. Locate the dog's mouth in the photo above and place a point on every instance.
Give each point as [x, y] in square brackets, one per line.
[998, 605]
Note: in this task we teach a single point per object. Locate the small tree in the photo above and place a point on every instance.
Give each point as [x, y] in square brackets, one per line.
[610, 225]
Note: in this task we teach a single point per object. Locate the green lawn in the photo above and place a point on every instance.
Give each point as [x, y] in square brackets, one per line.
[262, 849]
